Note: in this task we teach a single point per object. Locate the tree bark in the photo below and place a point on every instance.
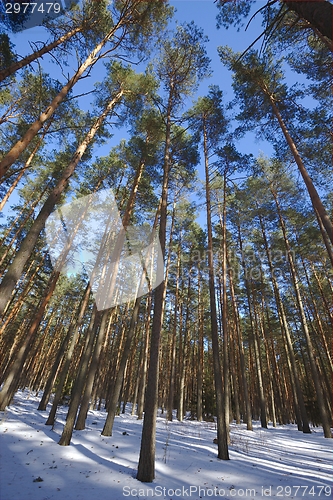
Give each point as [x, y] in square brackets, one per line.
[200, 351]
[222, 438]
[173, 343]
[78, 385]
[254, 336]
[16, 268]
[10, 385]
[38, 53]
[247, 402]
[318, 13]
[298, 396]
[146, 466]
[315, 376]
[314, 196]
[33, 130]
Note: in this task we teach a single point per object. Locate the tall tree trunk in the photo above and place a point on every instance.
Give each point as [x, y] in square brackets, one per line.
[146, 466]
[116, 389]
[318, 13]
[222, 438]
[12, 379]
[184, 348]
[200, 351]
[258, 361]
[144, 367]
[19, 230]
[314, 196]
[173, 342]
[226, 370]
[115, 259]
[247, 402]
[254, 336]
[33, 130]
[74, 333]
[298, 396]
[91, 373]
[78, 385]
[315, 376]
[54, 371]
[16, 268]
[38, 53]
[23, 169]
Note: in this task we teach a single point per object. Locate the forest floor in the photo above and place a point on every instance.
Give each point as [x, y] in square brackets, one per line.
[275, 462]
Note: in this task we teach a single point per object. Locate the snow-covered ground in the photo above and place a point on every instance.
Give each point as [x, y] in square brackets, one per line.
[276, 462]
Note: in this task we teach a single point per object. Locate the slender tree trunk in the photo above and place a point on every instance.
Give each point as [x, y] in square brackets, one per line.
[80, 424]
[38, 53]
[200, 351]
[113, 401]
[78, 385]
[146, 466]
[19, 229]
[184, 347]
[226, 370]
[257, 354]
[16, 268]
[314, 196]
[20, 302]
[269, 369]
[222, 438]
[74, 333]
[91, 373]
[144, 368]
[54, 371]
[173, 342]
[318, 13]
[26, 166]
[33, 130]
[318, 321]
[12, 379]
[254, 337]
[298, 396]
[247, 402]
[315, 376]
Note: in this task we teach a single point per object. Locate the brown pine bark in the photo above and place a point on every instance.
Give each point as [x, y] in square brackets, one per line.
[54, 371]
[254, 336]
[318, 13]
[120, 377]
[146, 466]
[314, 196]
[33, 130]
[315, 376]
[20, 228]
[247, 402]
[173, 341]
[258, 360]
[74, 335]
[200, 351]
[78, 385]
[144, 366]
[226, 370]
[185, 354]
[22, 171]
[300, 410]
[16, 268]
[80, 424]
[222, 437]
[91, 372]
[12, 379]
[38, 53]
